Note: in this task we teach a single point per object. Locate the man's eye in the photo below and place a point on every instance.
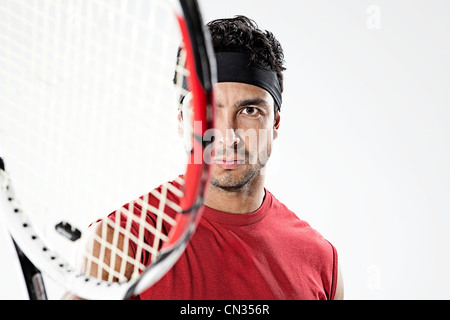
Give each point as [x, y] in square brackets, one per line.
[250, 111]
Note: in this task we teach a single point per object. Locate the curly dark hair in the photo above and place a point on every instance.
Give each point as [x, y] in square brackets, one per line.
[241, 34]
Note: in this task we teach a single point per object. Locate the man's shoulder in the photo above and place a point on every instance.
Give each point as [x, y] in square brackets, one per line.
[169, 190]
[298, 227]
[283, 212]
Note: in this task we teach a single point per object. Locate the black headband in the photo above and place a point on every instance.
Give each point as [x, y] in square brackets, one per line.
[237, 67]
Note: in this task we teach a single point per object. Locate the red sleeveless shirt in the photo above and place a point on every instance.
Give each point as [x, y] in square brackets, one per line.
[264, 255]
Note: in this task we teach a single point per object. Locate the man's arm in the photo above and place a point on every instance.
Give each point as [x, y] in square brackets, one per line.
[95, 247]
[339, 295]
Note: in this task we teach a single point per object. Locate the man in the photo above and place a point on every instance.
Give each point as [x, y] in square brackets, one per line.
[248, 245]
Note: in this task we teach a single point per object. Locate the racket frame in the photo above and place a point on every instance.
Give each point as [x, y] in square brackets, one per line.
[202, 69]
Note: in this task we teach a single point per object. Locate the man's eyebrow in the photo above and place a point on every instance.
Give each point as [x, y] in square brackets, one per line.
[249, 102]
[252, 102]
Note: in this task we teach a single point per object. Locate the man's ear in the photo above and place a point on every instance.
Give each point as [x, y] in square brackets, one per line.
[180, 123]
[276, 124]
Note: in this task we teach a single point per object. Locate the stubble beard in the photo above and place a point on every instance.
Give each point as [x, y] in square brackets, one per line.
[245, 177]
[241, 181]
[230, 183]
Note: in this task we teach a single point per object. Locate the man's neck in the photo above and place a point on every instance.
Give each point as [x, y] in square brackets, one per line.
[239, 201]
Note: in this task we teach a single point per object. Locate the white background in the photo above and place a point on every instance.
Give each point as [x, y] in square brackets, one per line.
[363, 153]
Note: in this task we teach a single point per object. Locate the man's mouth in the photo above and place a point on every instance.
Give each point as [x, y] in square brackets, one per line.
[228, 163]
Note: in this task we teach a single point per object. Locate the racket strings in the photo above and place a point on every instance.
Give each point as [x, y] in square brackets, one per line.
[143, 233]
[88, 122]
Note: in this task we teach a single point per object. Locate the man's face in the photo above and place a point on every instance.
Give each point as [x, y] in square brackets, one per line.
[245, 129]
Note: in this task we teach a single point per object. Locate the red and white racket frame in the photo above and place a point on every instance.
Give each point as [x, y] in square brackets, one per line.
[201, 66]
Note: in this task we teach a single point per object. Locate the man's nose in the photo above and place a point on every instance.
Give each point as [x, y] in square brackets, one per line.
[229, 138]
[226, 125]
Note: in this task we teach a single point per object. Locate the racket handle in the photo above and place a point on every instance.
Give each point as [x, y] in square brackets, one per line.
[33, 277]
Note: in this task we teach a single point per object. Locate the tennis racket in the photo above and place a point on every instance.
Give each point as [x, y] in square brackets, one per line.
[101, 179]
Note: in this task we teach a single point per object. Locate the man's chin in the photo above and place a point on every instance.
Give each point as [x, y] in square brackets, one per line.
[233, 180]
